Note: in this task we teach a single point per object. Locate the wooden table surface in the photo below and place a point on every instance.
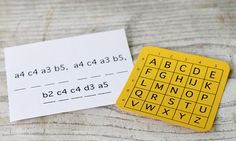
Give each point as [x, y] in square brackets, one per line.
[203, 27]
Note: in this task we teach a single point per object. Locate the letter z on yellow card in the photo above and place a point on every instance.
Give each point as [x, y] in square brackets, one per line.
[175, 87]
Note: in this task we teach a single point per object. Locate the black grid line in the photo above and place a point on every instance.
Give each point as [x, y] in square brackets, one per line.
[136, 80]
[151, 85]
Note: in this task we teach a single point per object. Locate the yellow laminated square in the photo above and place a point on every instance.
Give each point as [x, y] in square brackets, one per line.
[150, 108]
[183, 68]
[190, 94]
[153, 61]
[186, 106]
[202, 110]
[198, 71]
[175, 87]
[155, 98]
[179, 79]
[144, 83]
[213, 74]
[166, 112]
[194, 83]
[134, 104]
[164, 76]
[175, 91]
[210, 86]
[159, 87]
[148, 72]
[182, 116]
[206, 98]
[171, 102]
[139, 93]
[198, 121]
[168, 64]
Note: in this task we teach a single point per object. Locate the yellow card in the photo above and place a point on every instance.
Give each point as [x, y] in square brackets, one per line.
[175, 87]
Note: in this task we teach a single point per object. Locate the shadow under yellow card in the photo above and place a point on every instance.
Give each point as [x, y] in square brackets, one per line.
[175, 87]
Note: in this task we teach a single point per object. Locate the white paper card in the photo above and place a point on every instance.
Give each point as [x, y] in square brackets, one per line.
[66, 74]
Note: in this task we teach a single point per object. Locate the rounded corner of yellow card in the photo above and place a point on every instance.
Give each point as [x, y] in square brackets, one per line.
[207, 128]
[175, 87]
[225, 65]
